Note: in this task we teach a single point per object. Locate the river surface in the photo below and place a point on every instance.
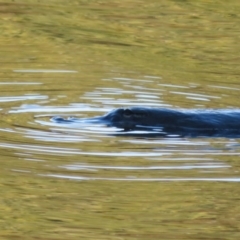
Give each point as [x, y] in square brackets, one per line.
[84, 58]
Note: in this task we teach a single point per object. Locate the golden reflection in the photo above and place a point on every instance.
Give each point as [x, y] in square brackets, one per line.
[77, 55]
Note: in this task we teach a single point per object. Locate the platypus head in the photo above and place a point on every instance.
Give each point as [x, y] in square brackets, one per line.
[129, 118]
[132, 118]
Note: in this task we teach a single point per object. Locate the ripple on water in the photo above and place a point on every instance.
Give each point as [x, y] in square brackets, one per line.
[94, 152]
[132, 161]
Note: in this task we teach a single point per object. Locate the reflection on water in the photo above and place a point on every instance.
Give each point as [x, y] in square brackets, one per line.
[21, 98]
[79, 178]
[98, 143]
[43, 71]
[85, 153]
[137, 150]
[83, 59]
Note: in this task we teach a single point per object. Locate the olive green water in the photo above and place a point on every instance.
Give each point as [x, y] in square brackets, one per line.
[83, 58]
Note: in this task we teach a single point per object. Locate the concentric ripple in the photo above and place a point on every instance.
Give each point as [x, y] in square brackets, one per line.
[84, 151]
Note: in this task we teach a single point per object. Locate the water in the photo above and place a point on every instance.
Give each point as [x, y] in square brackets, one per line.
[83, 59]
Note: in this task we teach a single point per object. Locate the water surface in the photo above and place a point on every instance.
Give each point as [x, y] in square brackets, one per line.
[84, 58]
